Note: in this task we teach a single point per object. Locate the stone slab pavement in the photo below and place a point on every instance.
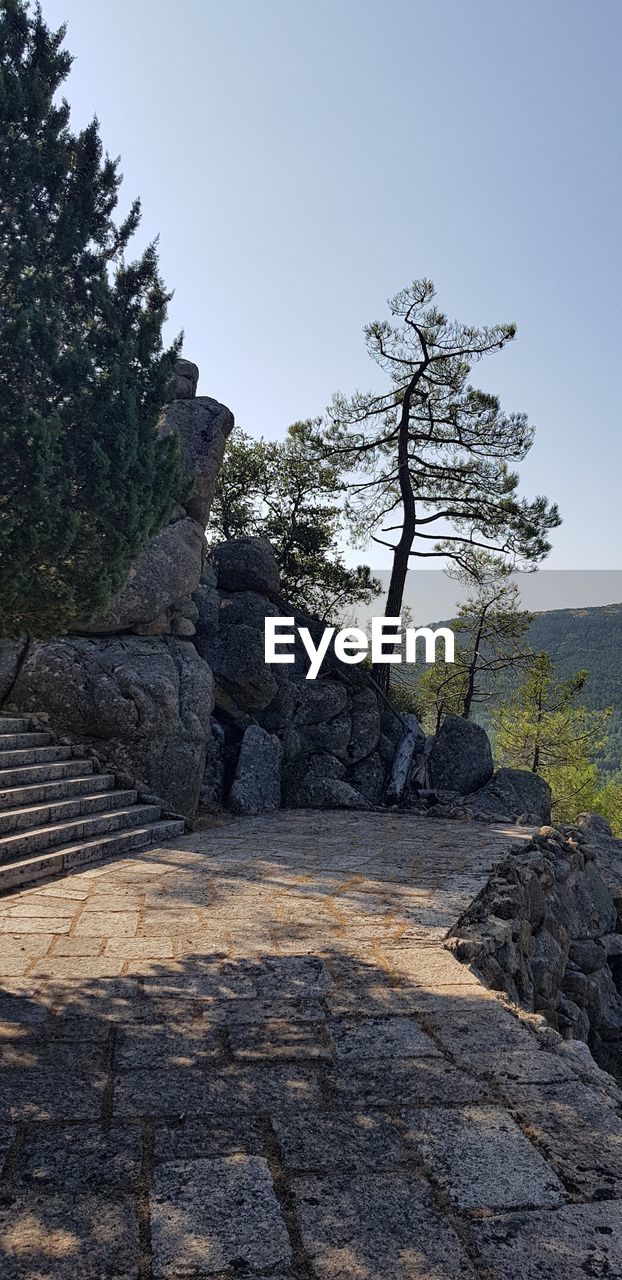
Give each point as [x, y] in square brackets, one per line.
[249, 1054]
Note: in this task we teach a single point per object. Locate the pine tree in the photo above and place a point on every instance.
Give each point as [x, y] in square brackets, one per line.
[281, 491]
[85, 478]
[541, 728]
[432, 455]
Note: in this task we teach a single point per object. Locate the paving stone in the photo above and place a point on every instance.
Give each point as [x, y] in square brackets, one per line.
[277, 1038]
[481, 1160]
[76, 947]
[212, 1215]
[37, 1095]
[376, 1227]
[40, 908]
[35, 924]
[185, 1091]
[294, 977]
[73, 1158]
[339, 1139]
[45, 1237]
[579, 1135]
[487, 1038]
[7, 1134]
[159, 1047]
[198, 1137]
[420, 1081]
[77, 966]
[430, 967]
[575, 1242]
[140, 948]
[219, 981]
[380, 1038]
[104, 924]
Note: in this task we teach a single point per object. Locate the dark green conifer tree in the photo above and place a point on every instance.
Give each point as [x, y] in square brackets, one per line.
[85, 478]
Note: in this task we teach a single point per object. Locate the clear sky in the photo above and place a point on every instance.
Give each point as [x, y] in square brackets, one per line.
[302, 160]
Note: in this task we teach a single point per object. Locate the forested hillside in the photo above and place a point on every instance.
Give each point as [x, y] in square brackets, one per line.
[577, 639]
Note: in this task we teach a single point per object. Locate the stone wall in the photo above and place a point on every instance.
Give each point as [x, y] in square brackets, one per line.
[547, 930]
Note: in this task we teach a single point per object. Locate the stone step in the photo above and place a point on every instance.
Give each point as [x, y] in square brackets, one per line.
[10, 741]
[26, 871]
[40, 815]
[11, 724]
[40, 773]
[42, 839]
[46, 792]
[34, 755]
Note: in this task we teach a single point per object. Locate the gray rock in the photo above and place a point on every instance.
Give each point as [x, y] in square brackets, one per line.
[316, 792]
[368, 778]
[510, 795]
[202, 425]
[548, 961]
[461, 758]
[239, 667]
[168, 569]
[207, 601]
[11, 654]
[246, 564]
[587, 954]
[186, 379]
[278, 714]
[365, 725]
[143, 704]
[325, 766]
[604, 1005]
[250, 609]
[257, 783]
[319, 700]
[331, 736]
[596, 912]
[211, 797]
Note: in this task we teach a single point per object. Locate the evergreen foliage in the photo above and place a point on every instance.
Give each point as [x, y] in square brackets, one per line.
[431, 455]
[281, 491]
[540, 727]
[85, 478]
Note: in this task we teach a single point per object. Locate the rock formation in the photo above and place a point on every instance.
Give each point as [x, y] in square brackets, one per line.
[170, 685]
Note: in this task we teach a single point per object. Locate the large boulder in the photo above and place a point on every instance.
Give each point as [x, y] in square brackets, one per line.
[167, 570]
[367, 777]
[143, 704]
[256, 785]
[202, 425]
[365, 725]
[461, 758]
[186, 379]
[317, 791]
[319, 701]
[246, 564]
[240, 669]
[11, 654]
[513, 795]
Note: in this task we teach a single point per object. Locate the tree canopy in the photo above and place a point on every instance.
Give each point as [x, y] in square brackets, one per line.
[281, 491]
[431, 458]
[86, 479]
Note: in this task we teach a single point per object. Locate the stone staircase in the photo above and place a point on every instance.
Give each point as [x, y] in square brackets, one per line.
[58, 811]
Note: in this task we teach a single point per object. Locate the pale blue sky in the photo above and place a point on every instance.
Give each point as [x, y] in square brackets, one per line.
[304, 159]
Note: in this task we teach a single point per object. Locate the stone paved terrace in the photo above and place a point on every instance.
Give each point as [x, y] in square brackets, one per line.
[247, 1054]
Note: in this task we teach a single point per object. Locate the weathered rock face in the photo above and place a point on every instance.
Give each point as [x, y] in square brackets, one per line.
[11, 653]
[461, 758]
[166, 572]
[256, 785]
[512, 795]
[186, 380]
[202, 425]
[547, 930]
[246, 564]
[143, 704]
